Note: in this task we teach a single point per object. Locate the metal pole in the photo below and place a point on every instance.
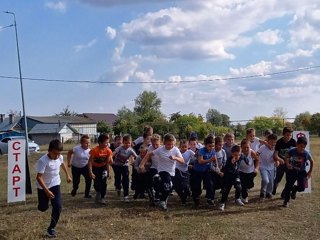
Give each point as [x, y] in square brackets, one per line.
[21, 84]
[28, 182]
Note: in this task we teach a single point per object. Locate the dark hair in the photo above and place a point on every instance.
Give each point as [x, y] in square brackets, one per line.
[272, 136]
[145, 135]
[235, 148]
[84, 137]
[103, 137]
[126, 137]
[218, 140]
[243, 142]
[117, 137]
[147, 129]
[250, 130]
[55, 145]
[228, 135]
[267, 132]
[183, 141]
[302, 140]
[287, 130]
[169, 137]
[208, 140]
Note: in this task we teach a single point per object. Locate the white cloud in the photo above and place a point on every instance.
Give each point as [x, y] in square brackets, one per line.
[269, 37]
[81, 47]
[59, 6]
[111, 32]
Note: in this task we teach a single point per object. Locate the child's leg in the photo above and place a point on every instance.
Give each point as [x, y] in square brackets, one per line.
[196, 186]
[125, 180]
[178, 183]
[85, 173]
[56, 206]
[264, 182]
[117, 176]
[166, 185]
[281, 169]
[43, 200]
[238, 187]
[134, 175]
[244, 184]
[291, 177]
[155, 183]
[270, 184]
[207, 179]
[301, 180]
[76, 173]
[185, 185]
[227, 184]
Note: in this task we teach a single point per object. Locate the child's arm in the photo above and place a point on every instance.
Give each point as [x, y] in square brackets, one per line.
[92, 176]
[202, 161]
[69, 156]
[278, 159]
[311, 167]
[178, 159]
[64, 168]
[48, 193]
[289, 166]
[256, 161]
[146, 158]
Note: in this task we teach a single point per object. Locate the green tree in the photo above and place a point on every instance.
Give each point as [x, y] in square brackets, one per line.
[261, 123]
[315, 123]
[225, 120]
[214, 117]
[303, 121]
[127, 122]
[103, 127]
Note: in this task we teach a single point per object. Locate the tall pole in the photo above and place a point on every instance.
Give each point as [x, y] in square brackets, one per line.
[28, 183]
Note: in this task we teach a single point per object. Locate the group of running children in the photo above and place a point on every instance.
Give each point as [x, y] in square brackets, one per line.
[158, 169]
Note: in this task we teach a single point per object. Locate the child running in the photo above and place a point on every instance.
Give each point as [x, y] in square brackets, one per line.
[168, 155]
[181, 181]
[48, 183]
[99, 162]
[122, 156]
[297, 160]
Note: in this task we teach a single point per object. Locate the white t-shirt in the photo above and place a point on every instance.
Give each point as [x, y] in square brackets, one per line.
[154, 159]
[138, 140]
[266, 158]
[122, 155]
[187, 155]
[80, 157]
[247, 168]
[165, 163]
[255, 144]
[50, 170]
[222, 159]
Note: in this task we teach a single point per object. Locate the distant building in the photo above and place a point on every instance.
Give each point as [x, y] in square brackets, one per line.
[109, 118]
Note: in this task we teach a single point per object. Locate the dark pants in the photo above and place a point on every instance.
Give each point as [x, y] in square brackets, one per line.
[230, 180]
[134, 175]
[76, 173]
[281, 169]
[197, 178]
[246, 182]
[292, 176]
[216, 183]
[100, 182]
[141, 183]
[181, 184]
[121, 178]
[43, 204]
[165, 185]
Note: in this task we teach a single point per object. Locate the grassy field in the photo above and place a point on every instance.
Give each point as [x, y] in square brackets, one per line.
[82, 219]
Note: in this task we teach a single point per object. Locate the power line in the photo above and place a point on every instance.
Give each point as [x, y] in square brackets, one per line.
[170, 82]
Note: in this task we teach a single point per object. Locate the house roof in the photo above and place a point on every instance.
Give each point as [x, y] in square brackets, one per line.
[109, 118]
[7, 126]
[42, 128]
[62, 119]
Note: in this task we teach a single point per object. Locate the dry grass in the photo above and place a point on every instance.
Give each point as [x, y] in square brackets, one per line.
[82, 219]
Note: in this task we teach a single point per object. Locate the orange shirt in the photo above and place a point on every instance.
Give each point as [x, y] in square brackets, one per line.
[99, 157]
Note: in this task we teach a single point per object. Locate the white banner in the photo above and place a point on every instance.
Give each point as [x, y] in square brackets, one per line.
[305, 134]
[16, 170]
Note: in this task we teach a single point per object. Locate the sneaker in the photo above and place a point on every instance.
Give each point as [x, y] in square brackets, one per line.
[210, 202]
[285, 204]
[269, 196]
[73, 192]
[51, 233]
[102, 201]
[98, 197]
[221, 208]
[245, 200]
[126, 199]
[262, 196]
[239, 202]
[163, 205]
[118, 192]
[293, 194]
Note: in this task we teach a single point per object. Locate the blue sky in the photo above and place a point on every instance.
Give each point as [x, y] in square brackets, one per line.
[137, 43]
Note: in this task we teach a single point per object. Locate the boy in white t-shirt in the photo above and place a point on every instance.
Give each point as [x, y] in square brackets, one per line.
[48, 182]
[168, 155]
[267, 166]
